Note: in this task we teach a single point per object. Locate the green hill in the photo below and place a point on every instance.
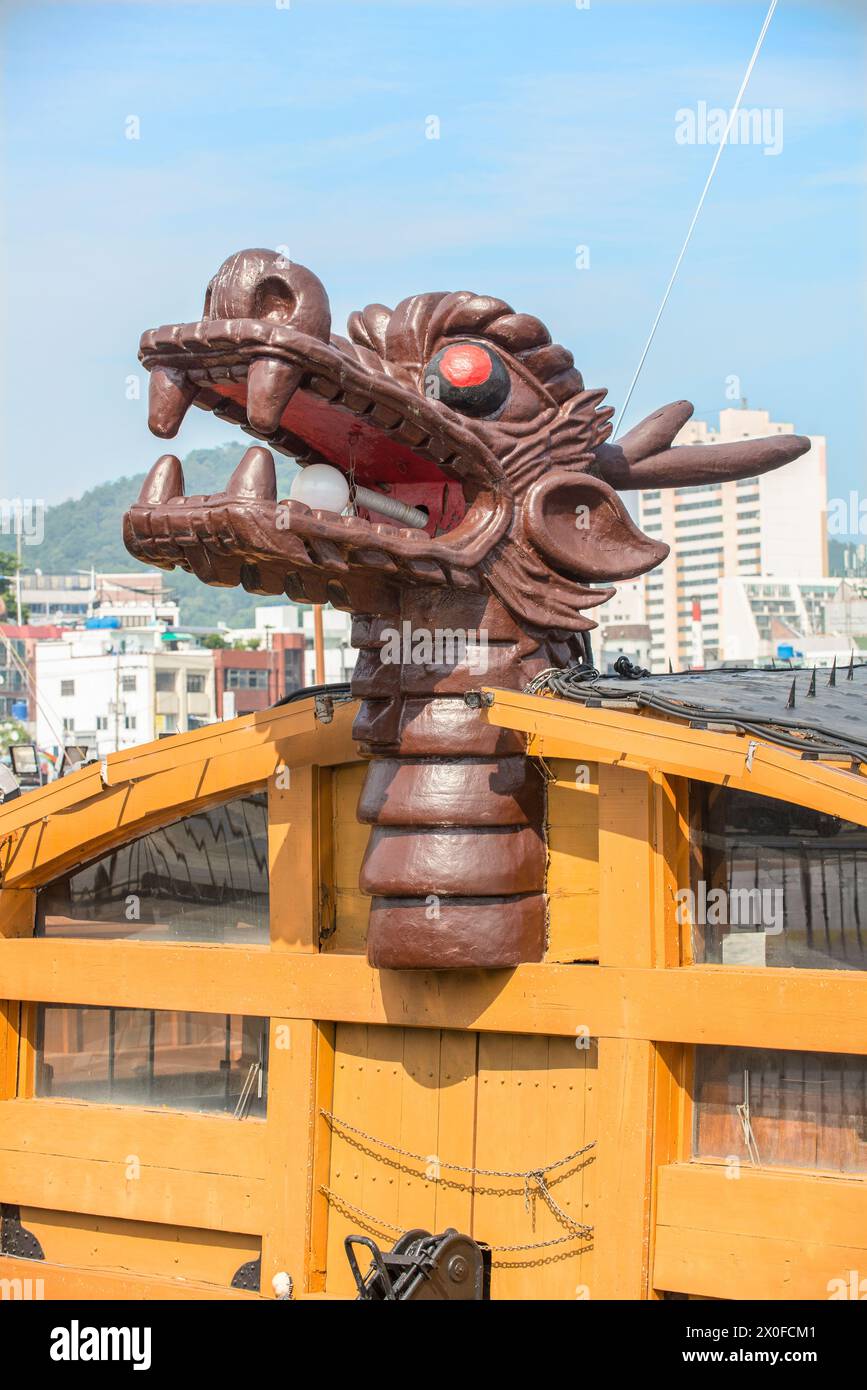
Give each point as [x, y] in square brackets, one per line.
[86, 531]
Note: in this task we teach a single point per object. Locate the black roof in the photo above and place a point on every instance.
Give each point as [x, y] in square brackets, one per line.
[822, 712]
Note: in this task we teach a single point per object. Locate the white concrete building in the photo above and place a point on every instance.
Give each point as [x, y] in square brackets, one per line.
[107, 693]
[771, 525]
[810, 621]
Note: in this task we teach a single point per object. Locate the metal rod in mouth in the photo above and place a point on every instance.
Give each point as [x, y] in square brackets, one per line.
[390, 506]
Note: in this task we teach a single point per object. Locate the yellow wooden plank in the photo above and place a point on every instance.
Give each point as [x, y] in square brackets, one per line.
[122, 1136]
[137, 1247]
[457, 1128]
[61, 1282]
[531, 1111]
[621, 1241]
[174, 1197]
[771, 1204]
[744, 1233]
[292, 858]
[292, 1126]
[803, 1010]
[712, 1264]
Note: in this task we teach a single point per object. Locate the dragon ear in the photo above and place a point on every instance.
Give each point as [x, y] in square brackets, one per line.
[579, 524]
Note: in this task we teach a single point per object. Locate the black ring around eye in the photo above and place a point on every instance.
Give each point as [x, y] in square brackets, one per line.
[469, 378]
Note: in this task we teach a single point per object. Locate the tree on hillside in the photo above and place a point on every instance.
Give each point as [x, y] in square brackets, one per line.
[8, 608]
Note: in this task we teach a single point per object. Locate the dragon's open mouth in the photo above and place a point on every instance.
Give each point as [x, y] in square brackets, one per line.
[308, 399]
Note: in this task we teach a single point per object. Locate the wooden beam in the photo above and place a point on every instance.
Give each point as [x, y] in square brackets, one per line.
[802, 1010]
[299, 1050]
[42, 834]
[176, 1197]
[646, 742]
[762, 1235]
[36, 1279]
[117, 1135]
[637, 932]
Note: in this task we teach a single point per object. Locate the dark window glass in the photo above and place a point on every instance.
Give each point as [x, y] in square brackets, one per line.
[781, 1109]
[204, 878]
[293, 669]
[187, 1061]
[165, 681]
[246, 678]
[195, 682]
[775, 884]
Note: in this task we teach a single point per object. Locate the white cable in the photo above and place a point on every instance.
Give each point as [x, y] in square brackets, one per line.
[722, 144]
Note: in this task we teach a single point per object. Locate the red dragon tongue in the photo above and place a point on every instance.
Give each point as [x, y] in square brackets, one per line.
[271, 384]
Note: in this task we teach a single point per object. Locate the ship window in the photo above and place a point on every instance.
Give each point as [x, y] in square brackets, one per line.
[186, 1061]
[203, 878]
[774, 884]
[781, 1109]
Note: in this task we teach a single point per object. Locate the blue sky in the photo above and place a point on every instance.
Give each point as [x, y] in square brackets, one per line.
[304, 126]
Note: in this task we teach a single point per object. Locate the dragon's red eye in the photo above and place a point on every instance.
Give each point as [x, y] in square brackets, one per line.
[467, 365]
[468, 378]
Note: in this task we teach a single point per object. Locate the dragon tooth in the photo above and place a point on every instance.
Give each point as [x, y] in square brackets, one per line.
[255, 478]
[171, 395]
[164, 482]
[271, 384]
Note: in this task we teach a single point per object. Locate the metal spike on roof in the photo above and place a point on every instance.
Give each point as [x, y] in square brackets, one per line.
[811, 688]
[670, 667]
[790, 703]
[850, 674]
[832, 679]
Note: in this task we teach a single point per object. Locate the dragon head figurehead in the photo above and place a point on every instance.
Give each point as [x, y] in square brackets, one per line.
[449, 402]
[457, 407]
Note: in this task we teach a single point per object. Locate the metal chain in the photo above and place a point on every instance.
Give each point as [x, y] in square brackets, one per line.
[529, 1175]
[377, 1221]
[458, 1167]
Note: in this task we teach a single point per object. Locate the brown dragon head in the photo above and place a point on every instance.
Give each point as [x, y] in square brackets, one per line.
[451, 403]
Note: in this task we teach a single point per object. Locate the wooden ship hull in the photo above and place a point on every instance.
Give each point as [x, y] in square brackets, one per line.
[183, 1117]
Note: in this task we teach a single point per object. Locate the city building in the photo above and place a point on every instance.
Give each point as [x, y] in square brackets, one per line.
[105, 693]
[270, 619]
[631, 640]
[251, 680]
[808, 621]
[135, 599]
[771, 525]
[18, 645]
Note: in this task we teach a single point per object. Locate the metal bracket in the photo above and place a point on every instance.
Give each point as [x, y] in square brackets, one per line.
[248, 1276]
[15, 1239]
[479, 699]
[323, 708]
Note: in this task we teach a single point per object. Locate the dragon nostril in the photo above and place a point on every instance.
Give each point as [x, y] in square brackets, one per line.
[275, 301]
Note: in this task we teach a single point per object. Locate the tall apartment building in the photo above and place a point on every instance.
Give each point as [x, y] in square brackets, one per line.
[771, 525]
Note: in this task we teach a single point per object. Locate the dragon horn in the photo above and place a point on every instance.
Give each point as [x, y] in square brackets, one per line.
[692, 464]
